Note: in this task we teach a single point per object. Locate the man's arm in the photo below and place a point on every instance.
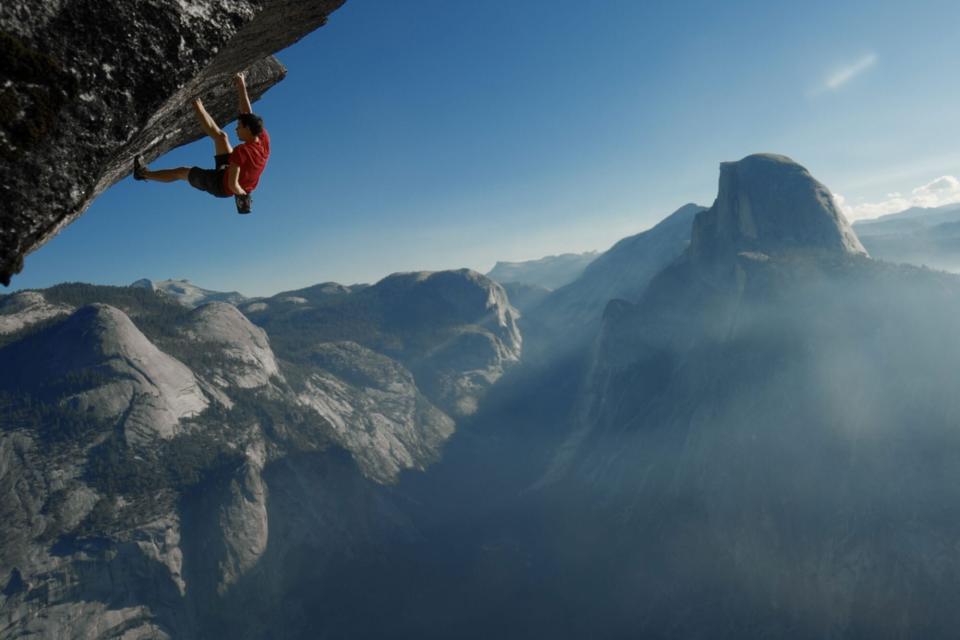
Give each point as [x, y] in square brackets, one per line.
[233, 180]
[242, 96]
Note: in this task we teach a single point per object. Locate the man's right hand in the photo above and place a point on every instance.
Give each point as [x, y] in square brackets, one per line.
[240, 80]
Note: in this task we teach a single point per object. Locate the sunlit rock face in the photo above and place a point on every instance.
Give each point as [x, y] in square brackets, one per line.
[375, 410]
[26, 308]
[189, 294]
[244, 357]
[769, 203]
[456, 331]
[459, 332]
[137, 446]
[86, 86]
[109, 369]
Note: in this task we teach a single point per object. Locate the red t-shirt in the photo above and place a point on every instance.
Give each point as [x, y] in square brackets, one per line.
[251, 157]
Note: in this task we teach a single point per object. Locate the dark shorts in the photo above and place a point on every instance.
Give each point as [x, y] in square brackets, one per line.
[211, 180]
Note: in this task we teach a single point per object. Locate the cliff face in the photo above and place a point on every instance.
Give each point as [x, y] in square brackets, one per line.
[745, 426]
[769, 203]
[86, 85]
[572, 312]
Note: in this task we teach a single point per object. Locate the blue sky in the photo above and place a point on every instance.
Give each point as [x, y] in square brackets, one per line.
[445, 134]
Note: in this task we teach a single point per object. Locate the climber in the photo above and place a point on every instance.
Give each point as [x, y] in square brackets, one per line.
[237, 170]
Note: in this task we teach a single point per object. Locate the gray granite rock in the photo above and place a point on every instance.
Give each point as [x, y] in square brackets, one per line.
[376, 411]
[156, 545]
[128, 378]
[26, 308]
[189, 294]
[770, 204]
[459, 328]
[243, 355]
[243, 519]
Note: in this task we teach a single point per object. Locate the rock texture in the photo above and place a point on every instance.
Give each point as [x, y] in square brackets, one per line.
[85, 86]
[244, 357]
[136, 446]
[26, 308]
[771, 204]
[120, 374]
[375, 409]
[456, 331]
[95, 590]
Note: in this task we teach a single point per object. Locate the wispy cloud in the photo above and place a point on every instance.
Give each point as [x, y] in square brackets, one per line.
[936, 193]
[841, 76]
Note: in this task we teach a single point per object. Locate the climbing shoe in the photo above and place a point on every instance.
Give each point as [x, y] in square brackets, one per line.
[139, 169]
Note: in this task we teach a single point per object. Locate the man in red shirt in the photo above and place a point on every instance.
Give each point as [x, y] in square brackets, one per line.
[237, 170]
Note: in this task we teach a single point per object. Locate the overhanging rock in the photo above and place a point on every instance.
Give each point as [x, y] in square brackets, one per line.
[86, 85]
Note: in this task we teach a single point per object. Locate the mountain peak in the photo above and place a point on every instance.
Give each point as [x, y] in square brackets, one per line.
[768, 203]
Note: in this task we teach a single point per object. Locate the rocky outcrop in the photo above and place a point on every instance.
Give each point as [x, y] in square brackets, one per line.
[85, 86]
[770, 204]
[459, 332]
[26, 308]
[456, 331]
[189, 294]
[243, 355]
[375, 409]
[89, 590]
[97, 361]
[243, 521]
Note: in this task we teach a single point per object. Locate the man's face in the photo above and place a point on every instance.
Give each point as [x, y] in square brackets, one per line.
[243, 132]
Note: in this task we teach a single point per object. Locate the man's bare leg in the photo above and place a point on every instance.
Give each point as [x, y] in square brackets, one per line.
[166, 175]
[221, 141]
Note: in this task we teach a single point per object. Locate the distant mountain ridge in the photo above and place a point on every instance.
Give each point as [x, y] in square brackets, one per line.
[188, 294]
[550, 272]
[573, 311]
[909, 219]
[920, 236]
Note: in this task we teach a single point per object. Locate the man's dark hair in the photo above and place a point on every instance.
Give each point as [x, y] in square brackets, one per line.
[252, 121]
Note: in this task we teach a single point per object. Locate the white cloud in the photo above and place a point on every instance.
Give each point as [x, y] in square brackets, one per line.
[936, 193]
[841, 76]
